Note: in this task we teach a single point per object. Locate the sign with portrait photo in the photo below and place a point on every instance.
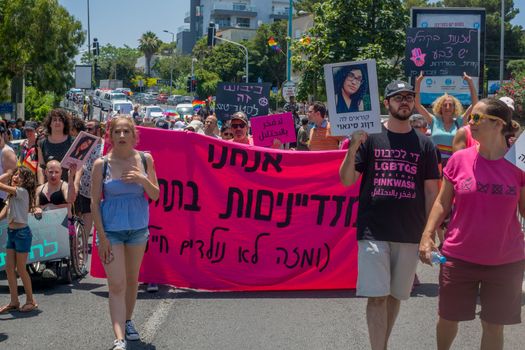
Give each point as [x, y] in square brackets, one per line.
[80, 150]
[353, 98]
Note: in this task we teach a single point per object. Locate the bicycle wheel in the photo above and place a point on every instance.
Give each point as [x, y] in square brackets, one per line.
[79, 249]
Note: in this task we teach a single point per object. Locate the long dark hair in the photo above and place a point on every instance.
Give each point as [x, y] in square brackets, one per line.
[363, 88]
[63, 115]
[27, 181]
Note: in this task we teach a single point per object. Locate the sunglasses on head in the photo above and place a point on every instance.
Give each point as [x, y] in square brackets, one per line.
[238, 126]
[475, 118]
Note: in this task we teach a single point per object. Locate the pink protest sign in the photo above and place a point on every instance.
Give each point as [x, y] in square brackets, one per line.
[238, 217]
[269, 127]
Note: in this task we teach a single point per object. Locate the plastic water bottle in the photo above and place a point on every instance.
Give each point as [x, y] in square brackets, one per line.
[436, 258]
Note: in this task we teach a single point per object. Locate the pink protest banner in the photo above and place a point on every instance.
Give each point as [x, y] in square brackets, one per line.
[269, 127]
[244, 218]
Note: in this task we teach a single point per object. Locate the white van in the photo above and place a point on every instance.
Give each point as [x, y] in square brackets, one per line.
[110, 97]
[122, 107]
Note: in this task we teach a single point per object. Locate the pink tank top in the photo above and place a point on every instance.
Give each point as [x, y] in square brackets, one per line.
[470, 140]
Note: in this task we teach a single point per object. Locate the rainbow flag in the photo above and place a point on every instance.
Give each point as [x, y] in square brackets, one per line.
[197, 104]
[273, 44]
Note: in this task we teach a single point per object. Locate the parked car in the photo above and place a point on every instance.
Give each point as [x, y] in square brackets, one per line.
[98, 95]
[109, 98]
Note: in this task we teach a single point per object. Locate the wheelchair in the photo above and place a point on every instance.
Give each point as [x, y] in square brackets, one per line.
[75, 266]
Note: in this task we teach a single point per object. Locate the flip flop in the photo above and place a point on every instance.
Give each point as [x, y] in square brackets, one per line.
[28, 307]
[8, 308]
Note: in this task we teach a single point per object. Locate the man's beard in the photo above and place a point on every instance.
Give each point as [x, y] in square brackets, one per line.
[400, 116]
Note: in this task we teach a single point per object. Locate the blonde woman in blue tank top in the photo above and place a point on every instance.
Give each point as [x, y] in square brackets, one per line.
[447, 117]
[121, 220]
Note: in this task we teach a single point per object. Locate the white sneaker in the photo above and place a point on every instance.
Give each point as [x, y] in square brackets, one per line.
[119, 344]
[131, 332]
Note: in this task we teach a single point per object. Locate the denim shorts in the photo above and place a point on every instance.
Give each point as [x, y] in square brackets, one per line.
[19, 239]
[129, 237]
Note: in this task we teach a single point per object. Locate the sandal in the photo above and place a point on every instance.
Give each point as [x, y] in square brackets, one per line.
[8, 308]
[28, 307]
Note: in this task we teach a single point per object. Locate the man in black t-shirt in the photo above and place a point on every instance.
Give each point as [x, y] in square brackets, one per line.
[398, 187]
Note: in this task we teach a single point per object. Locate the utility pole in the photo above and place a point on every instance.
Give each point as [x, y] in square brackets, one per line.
[289, 43]
[171, 63]
[502, 44]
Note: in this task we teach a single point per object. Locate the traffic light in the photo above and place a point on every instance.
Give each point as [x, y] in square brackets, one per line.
[96, 50]
[188, 84]
[193, 84]
[211, 35]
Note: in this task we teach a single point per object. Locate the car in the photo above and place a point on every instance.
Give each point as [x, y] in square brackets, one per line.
[162, 98]
[125, 91]
[98, 95]
[184, 109]
[148, 113]
[173, 100]
[122, 107]
[109, 97]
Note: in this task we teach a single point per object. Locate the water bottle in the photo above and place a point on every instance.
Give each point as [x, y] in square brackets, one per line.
[436, 258]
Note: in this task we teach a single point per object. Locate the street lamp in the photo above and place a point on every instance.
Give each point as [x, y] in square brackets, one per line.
[171, 63]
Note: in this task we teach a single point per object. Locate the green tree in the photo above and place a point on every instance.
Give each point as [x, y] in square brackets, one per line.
[149, 45]
[371, 29]
[265, 62]
[206, 83]
[181, 65]
[516, 68]
[306, 5]
[39, 42]
[38, 104]
[115, 63]
[514, 35]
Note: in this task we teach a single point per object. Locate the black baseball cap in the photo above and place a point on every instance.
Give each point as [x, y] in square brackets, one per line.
[30, 125]
[398, 86]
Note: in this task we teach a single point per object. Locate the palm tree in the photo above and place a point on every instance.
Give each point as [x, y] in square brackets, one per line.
[149, 44]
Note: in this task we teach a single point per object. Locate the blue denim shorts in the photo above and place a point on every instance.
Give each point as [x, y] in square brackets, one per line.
[129, 237]
[19, 239]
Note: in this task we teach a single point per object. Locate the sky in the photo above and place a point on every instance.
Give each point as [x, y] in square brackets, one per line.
[122, 22]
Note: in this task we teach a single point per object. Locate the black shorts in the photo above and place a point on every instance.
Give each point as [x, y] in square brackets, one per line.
[83, 204]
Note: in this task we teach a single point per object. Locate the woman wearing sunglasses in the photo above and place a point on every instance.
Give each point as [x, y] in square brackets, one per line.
[448, 116]
[484, 243]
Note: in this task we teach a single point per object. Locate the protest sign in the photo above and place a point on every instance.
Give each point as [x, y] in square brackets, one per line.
[50, 237]
[276, 126]
[238, 217]
[80, 150]
[516, 154]
[250, 98]
[353, 98]
[443, 55]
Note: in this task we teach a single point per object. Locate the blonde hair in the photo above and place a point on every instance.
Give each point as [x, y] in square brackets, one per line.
[113, 124]
[438, 103]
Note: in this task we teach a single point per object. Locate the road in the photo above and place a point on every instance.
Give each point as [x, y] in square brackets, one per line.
[75, 316]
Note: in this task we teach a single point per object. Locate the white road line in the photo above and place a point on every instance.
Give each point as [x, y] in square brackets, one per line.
[157, 318]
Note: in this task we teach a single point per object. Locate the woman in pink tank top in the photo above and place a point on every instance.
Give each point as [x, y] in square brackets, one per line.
[484, 243]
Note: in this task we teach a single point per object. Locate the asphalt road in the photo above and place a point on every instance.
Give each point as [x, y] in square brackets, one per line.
[76, 317]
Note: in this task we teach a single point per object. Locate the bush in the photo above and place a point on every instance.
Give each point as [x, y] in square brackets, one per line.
[38, 104]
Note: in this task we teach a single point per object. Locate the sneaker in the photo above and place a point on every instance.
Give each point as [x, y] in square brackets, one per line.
[131, 332]
[152, 287]
[119, 344]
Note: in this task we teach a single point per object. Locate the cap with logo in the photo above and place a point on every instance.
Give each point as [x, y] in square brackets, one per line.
[398, 86]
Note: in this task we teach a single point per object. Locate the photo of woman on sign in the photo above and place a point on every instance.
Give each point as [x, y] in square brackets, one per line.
[351, 88]
[83, 147]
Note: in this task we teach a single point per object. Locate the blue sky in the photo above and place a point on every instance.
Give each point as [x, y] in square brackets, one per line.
[122, 22]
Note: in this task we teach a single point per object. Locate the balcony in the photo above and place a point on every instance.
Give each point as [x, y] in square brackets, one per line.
[187, 17]
[184, 28]
[230, 9]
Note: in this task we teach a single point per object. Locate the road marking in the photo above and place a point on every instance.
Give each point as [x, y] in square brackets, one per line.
[157, 318]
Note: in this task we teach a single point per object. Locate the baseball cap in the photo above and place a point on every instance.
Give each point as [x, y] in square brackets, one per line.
[162, 124]
[240, 116]
[396, 87]
[508, 101]
[29, 125]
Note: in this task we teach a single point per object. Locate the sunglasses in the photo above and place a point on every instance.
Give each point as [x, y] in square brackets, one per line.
[476, 118]
[228, 134]
[400, 98]
[238, 126]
